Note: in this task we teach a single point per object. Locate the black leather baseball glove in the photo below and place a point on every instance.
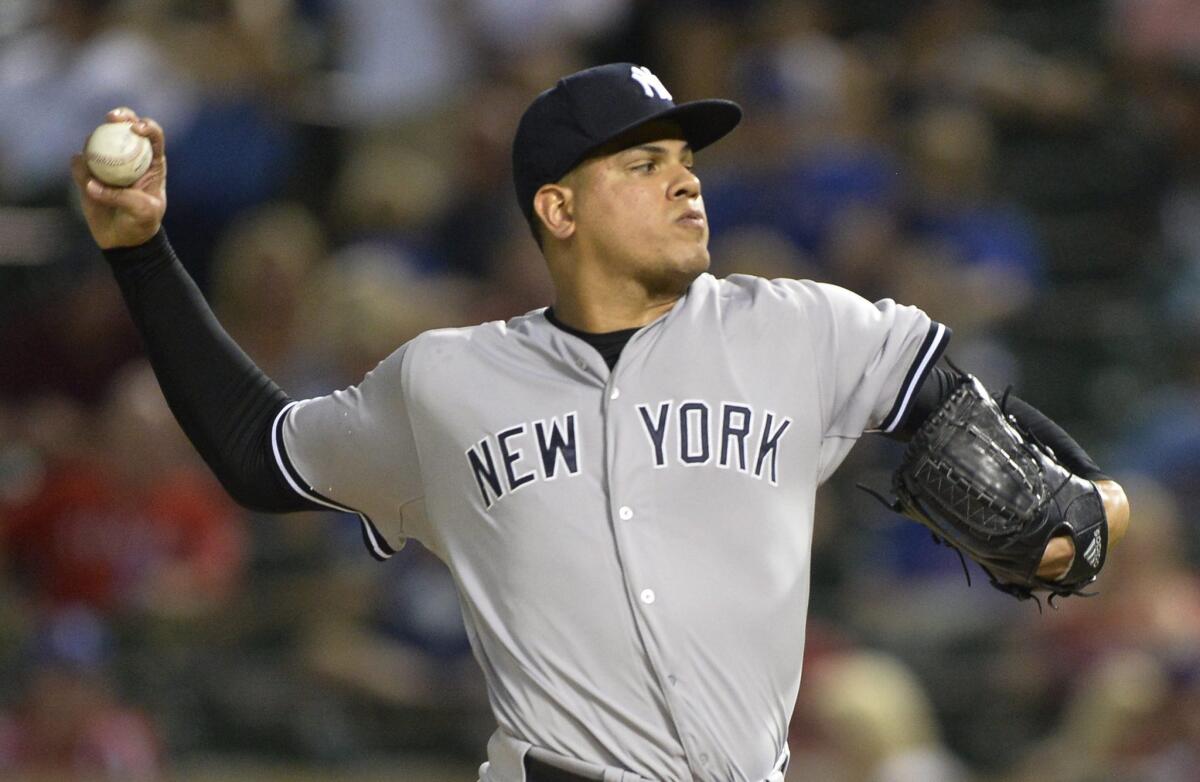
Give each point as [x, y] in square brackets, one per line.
[990, 491]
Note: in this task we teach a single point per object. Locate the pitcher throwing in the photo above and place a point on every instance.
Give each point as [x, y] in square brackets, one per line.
[622, 484]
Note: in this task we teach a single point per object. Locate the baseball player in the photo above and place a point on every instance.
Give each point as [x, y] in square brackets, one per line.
[622, 484]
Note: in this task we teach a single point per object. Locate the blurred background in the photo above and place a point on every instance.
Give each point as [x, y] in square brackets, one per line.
[1027, 172]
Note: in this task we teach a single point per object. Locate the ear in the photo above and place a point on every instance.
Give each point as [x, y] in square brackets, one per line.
[554, 204]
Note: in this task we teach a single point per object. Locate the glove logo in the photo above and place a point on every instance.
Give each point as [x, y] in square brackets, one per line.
[1094, 550]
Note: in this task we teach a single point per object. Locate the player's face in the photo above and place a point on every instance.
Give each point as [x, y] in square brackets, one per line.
[640, 210]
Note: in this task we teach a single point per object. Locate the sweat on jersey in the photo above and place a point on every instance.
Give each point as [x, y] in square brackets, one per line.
[631, 547]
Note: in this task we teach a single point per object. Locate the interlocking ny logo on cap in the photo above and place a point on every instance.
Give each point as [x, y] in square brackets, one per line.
[650, 83]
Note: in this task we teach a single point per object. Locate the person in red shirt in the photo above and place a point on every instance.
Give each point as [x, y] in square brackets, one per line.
[135, 525]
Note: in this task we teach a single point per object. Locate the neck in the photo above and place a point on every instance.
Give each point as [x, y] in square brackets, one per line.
[602, 304]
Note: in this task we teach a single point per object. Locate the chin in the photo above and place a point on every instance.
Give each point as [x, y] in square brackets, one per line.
[696, 262]
[674, 278]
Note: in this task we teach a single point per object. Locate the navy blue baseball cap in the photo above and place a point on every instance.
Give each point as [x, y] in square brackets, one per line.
[588, 109]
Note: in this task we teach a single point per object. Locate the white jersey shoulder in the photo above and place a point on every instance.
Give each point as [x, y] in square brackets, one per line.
[434, 355]
[798, 308]
[489, 333]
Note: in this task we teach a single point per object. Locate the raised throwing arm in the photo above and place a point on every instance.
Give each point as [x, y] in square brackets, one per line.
[222, 400]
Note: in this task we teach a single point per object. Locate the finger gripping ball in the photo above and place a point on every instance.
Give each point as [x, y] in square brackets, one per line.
[116, 155]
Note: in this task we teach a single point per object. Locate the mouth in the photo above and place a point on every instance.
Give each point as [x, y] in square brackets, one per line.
[692, 218]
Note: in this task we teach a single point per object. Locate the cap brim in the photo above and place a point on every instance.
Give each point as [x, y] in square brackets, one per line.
[701, 121]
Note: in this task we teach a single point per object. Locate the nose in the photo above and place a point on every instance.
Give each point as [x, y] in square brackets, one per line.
[686, 185]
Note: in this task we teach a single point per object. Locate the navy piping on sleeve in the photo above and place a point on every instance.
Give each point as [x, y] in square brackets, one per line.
[927, 355]
[375, 542]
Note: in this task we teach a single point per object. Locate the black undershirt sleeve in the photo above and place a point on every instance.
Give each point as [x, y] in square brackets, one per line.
[224, 403]
[941, 382]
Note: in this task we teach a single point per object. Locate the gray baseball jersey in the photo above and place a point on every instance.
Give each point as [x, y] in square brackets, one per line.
[631, 548]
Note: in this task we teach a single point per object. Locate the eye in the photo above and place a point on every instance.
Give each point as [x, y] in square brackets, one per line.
[646, 167]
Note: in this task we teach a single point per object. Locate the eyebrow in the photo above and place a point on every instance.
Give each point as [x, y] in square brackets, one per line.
[655, 149]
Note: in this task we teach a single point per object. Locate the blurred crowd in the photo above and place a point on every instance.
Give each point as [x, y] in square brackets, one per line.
[1027, 172]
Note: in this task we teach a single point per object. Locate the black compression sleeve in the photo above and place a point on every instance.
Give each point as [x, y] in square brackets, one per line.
[935, 389]
[223, 402]
[938, 387]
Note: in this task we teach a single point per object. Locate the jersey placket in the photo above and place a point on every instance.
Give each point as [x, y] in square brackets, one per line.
[646, 598]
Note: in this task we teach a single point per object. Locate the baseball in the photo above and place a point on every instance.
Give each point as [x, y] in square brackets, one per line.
[116, 155]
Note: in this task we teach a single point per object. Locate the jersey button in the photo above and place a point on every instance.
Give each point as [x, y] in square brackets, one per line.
[647, 596]
[616, 392]
[703, 759]
[626, 513]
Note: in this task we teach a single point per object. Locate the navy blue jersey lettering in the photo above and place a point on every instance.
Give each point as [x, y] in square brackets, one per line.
[557, 447]
[486, 473]
[510, 456]
[693, 433]
[657, 430]
[735, 433]
[768, 445]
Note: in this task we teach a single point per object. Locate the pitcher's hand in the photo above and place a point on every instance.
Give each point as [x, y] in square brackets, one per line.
[125, 216]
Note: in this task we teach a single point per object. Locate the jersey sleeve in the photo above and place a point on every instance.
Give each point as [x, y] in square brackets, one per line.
[871, 358]
[354, 451]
